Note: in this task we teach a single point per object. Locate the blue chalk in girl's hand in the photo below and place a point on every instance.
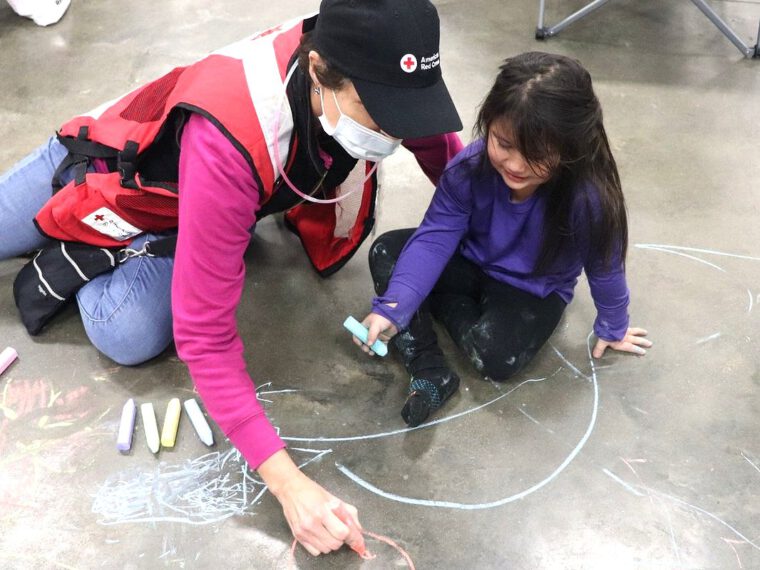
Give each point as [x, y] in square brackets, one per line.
[360, 331]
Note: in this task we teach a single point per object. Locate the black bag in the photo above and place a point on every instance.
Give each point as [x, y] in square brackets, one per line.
[51, 279]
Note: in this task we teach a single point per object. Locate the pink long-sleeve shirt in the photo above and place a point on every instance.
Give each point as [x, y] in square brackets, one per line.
[218, 202]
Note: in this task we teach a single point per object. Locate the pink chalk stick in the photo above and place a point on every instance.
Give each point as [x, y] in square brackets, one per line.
[6, 358]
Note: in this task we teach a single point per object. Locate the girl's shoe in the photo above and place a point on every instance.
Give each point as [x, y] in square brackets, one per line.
[429, 389]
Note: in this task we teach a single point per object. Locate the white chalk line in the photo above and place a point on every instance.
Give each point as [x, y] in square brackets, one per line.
[568, 363]
[676, 250]
[527, 415]
[195, 492]
[623, 483]
[666, 249]
[696, 250]
[750, 462]
[690, 506]
[672, 533]
[489, 505]
[534, 420]
[200, 491]
[319, 454]
[708, 338]
[260, 392]
[410, 429]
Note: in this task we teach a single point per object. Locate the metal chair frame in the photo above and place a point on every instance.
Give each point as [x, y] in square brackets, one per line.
[543, 32]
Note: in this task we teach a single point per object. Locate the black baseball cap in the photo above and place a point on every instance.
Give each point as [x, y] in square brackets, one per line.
[390, 51]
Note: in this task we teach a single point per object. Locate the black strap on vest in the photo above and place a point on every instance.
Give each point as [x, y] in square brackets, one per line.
[163, 247]
[126, 164]
[81, 151]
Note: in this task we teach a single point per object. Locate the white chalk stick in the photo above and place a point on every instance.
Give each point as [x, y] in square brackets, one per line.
[127, 426]
[171, 423]
[7, 357]
[150, 426]
[199, 422]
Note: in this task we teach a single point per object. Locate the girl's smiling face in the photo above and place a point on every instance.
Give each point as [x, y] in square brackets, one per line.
[518, 174]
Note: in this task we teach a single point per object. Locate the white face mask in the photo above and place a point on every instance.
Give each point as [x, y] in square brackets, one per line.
[356, 139]
[278, 158]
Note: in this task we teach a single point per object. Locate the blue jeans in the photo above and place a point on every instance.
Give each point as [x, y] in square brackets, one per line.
[127, 312]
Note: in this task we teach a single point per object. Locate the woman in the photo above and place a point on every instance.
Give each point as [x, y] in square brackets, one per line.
[251, 130]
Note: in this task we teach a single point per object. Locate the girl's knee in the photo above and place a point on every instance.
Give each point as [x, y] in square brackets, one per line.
[382, 249]
[491, 356]
[382, 260]
[503, 368]
[497, 367]
[378, 251]
[389, 245]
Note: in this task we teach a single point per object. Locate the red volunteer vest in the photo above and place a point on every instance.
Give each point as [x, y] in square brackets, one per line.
[239, 89]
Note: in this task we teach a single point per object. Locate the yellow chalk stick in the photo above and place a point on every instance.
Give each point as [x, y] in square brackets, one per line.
[171, 422]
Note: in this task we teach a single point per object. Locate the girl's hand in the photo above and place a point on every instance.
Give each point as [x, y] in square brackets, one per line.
[378, 327]
[320, 521]
[634, 342]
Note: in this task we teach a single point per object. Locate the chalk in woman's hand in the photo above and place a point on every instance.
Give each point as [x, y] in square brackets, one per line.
[7, 357]
[126, 426]
[360, 331]
[357, 541]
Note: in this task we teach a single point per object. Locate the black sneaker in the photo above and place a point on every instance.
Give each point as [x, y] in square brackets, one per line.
[428, 390]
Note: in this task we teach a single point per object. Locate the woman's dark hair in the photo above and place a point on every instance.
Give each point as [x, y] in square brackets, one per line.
[548, 104]
[327, 75]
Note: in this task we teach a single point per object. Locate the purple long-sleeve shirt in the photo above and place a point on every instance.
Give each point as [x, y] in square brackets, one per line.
[471, 212]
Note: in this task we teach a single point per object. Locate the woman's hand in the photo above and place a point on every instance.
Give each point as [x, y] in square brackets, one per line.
[379, 328]
[633, 341]
[320, 521]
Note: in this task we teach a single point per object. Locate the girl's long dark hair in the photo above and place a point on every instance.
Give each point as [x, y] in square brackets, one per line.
[548, 103]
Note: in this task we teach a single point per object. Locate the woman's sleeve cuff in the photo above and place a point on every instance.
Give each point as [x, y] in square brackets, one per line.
[256, 439]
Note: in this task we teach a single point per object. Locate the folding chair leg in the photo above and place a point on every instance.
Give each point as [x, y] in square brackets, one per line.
[748, 51]
[543, 32]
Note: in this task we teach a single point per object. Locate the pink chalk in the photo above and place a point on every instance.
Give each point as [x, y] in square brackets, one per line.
[6, 358]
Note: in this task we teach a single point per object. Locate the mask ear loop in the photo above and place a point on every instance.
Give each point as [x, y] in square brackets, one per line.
[358, 125]
[278, 160]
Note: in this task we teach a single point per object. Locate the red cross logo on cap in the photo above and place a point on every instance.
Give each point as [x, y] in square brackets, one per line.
[409, 63]
[99, 218]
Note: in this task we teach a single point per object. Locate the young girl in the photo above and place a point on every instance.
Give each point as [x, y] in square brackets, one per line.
[516, 216]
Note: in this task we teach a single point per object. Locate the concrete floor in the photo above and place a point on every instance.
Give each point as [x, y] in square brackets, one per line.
[635, 463]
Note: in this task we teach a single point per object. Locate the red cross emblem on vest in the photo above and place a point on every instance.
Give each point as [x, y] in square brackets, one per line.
[409, 63]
